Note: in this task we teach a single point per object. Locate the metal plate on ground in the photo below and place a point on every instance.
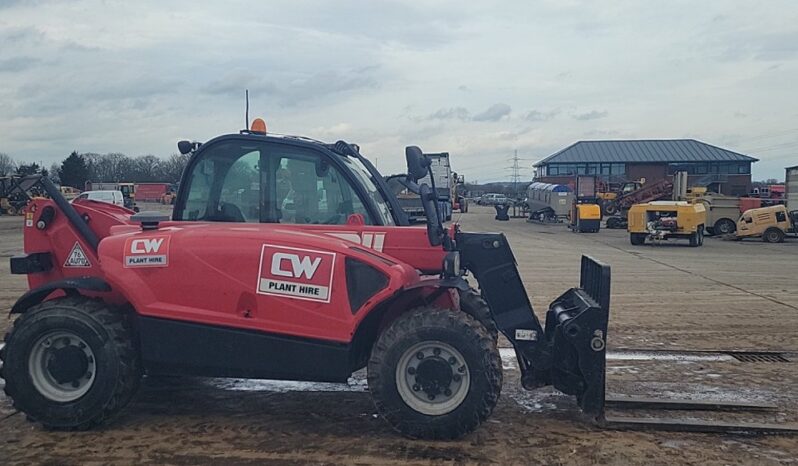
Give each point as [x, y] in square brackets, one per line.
[694, 425]
[758, 356]
[636, 402]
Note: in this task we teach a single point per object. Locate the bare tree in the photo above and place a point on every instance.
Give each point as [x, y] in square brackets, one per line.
[7, 164]
[172, 168]
[146, 168]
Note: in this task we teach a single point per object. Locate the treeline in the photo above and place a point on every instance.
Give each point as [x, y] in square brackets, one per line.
[78, 168]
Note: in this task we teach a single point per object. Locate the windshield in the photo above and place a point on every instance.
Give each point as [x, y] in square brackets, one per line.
[364, 178]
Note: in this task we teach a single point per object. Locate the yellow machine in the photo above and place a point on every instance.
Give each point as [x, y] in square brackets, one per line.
[585, 218]
[69, 192]
[585, 214]
[662, 220]
[606, 197]
[771, 223]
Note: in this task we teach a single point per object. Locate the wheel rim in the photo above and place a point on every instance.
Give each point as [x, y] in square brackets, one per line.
[773, 237]
[62, 366]
[724, 227]
[432, 378]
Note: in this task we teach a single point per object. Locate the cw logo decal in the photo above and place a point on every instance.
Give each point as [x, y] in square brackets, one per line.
[296, 273]
[145, 246]
[299, 265]
[147, 252]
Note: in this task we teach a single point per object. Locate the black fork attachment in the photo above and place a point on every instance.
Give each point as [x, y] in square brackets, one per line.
[570, 353]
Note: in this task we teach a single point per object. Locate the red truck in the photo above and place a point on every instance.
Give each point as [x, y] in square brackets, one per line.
[151, 192]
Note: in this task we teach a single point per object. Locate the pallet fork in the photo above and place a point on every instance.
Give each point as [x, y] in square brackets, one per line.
[570, 353]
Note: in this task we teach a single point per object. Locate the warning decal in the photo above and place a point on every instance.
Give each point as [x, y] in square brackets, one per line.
[296, 273]
[147, 252]
[77, 258]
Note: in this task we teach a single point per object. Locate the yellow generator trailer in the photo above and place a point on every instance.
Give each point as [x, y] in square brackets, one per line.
[662, 220]
[771, 223]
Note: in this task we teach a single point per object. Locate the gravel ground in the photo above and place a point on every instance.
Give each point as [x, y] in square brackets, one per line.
[724, 296]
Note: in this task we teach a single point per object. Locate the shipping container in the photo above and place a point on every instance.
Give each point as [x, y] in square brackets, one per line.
[791, 188]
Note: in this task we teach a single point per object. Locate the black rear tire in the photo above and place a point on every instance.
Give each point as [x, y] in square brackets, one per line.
[773, 235]
[480, 366]
[637, 239]
[112, 357]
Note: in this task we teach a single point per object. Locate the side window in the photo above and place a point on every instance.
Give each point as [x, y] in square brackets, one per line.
[240, 191]
[225, 185]
[781, 216]
[308, 189]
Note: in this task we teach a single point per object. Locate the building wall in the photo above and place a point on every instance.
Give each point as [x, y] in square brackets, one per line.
[649, 171]
[733, 185]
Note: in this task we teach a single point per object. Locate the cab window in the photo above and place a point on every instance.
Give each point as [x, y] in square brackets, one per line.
[307, 189]
[225, 185]
[240, 181]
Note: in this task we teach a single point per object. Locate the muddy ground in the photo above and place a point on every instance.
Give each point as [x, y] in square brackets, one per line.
[724, 296]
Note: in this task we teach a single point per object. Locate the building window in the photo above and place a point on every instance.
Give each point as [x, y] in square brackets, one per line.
[618, 169]
[744, 168]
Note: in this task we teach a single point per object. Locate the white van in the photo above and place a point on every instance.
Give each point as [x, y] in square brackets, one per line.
[111, 197]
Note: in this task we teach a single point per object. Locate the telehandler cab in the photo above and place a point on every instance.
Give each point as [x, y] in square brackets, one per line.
[287, 258]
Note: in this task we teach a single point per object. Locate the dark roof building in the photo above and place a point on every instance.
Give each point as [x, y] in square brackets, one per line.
[719, 169]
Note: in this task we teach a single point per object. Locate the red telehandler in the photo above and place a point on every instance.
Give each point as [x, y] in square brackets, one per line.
[287, 258]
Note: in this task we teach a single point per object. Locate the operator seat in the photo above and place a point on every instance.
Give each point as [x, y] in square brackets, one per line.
[229, 212]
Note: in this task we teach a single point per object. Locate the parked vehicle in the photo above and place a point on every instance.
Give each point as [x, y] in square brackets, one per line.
[150, 192]
[722, 213]
[111, 197]
[128, 191]
[358, 288]
[771, 223]
[493, 199]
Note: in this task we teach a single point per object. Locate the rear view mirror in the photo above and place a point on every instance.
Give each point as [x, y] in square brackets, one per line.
[417, 164]
[185, 147]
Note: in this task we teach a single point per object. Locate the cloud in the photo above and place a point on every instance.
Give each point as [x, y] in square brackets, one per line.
[537, 115]
[291, 91]
[451, 113]
[591, 115]
[493, 113]
[15, 64]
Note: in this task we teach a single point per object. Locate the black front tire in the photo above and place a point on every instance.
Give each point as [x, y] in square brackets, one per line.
[637, 239]
[456, 330]
[773, 235]
[110, 337]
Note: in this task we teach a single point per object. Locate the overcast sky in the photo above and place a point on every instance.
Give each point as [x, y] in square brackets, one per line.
[477, 79]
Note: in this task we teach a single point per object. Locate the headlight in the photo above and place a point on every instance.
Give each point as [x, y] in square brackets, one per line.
[451, 264]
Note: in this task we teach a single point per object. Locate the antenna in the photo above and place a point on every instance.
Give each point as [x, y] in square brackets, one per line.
[246, 112]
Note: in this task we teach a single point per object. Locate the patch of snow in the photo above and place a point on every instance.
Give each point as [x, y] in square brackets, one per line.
[356, 383]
